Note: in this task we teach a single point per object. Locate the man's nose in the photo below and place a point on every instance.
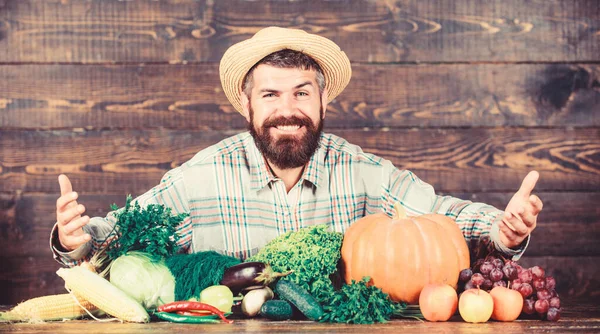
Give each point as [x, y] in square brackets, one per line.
[287, 106]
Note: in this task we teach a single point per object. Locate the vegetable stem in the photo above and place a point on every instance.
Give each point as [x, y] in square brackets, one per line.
[399, 212]
[409, 311]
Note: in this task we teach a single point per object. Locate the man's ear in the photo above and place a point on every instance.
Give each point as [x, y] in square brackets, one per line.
[245, 101]
[324, 100]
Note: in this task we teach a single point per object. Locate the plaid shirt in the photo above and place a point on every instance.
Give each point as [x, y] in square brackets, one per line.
[237, 205]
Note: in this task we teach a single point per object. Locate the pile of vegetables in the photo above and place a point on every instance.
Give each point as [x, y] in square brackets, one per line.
[298, 265]
[311, 254]
[142, 280]
[178, 287]
[146, 237]
[291, 276]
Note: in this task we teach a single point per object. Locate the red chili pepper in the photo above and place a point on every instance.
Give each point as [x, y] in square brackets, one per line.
[191, 306]
[196, 314]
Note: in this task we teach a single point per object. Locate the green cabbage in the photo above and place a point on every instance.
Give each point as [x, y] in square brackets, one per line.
[148, 281]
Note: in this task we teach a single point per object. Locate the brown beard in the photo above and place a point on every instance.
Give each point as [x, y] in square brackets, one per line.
[287, 151]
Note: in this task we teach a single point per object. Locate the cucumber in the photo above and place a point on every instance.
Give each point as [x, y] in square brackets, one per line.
[276, 310]
[304, 301]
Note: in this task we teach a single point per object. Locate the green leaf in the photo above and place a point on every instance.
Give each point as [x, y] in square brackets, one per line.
[359, 303]
[152, 230]
[312, 253]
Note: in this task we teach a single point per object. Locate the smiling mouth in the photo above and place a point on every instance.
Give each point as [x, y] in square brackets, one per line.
[288, 128]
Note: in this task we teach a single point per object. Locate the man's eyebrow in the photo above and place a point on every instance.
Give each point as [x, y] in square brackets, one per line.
[306, 83]
[270, 90]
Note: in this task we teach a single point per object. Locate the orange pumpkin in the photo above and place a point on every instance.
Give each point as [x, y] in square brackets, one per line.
[402, 254]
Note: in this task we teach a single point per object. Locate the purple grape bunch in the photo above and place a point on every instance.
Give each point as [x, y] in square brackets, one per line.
[538, 290]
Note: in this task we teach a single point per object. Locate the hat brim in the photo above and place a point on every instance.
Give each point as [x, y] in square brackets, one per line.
[240, 58]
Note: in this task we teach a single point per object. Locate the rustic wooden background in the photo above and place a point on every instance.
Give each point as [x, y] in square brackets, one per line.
[470, 95]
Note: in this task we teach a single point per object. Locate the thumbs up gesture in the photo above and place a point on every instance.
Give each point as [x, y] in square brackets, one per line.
[68, 216]
[520, 215]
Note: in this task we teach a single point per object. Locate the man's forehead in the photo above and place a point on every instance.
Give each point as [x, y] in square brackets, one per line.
[268, 75]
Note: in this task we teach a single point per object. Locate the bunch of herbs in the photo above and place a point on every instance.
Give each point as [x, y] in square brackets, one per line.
[358, 303]
[152, 230]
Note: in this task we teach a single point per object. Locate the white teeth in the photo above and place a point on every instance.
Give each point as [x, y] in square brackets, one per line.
[288, 127]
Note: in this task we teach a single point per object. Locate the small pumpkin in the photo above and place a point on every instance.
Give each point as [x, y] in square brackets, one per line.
[402, 254]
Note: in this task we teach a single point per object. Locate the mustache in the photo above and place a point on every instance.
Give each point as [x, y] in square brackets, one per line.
[283, 121]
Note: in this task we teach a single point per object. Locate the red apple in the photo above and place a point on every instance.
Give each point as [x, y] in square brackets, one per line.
[438, 301]
[475, 305]
[508, 304]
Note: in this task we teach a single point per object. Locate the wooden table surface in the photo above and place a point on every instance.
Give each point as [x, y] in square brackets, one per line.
[581, 317]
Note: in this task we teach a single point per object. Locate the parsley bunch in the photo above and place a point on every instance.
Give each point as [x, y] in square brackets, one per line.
[358, 303]
[152, 230]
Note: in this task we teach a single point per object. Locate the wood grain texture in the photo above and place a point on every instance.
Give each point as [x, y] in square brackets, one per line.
[469, 160]
[190, 96]
[576, 317]
[569, 224]
[368, 31]
[26, 221]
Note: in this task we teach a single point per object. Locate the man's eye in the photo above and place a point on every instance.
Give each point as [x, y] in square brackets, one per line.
[269, 95]
[302, 94]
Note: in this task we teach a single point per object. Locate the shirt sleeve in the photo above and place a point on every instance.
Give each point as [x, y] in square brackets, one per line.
[170, 192]
[475, 220]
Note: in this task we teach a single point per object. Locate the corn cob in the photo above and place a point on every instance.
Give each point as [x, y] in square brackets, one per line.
[46, 308]
[103, 294]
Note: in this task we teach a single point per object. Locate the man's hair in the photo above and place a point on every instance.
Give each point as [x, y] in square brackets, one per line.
[286, 58]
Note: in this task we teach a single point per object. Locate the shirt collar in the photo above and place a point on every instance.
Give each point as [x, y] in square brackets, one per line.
[261, 175]
[315, 170]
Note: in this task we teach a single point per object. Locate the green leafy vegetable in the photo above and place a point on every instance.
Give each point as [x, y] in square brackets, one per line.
[196, 272]
[152, 230]
[358, 303]
[149, 282]
[363, 303]
[311, 252]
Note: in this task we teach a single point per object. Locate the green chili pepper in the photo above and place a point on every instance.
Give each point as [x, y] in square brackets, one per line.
[186, 305]
[173, 317]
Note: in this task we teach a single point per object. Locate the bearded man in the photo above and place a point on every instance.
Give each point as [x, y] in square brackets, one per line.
[285, 173]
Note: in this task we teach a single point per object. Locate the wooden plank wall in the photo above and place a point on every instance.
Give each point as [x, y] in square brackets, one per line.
[470, 95]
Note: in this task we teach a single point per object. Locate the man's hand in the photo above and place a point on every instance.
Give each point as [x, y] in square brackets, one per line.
[68, 216]
[521, 213]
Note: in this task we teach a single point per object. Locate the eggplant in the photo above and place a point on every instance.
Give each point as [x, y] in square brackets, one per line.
[249, 275]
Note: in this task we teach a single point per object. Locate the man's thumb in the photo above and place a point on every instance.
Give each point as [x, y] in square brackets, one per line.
[65, 184]
[528, 183]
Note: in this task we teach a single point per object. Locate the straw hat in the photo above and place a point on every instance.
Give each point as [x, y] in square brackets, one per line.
[240, 57]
